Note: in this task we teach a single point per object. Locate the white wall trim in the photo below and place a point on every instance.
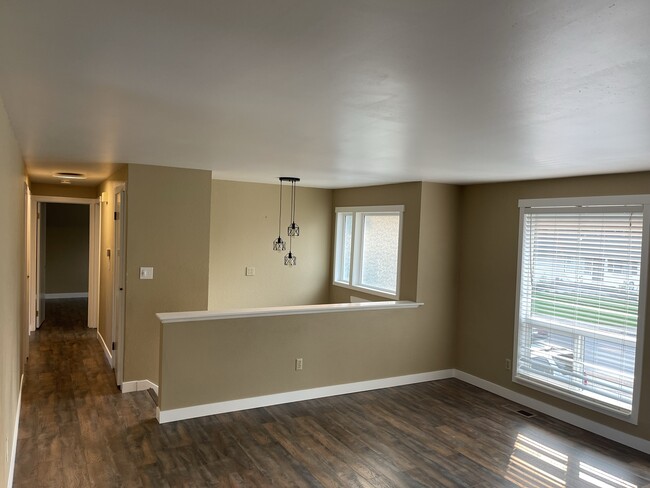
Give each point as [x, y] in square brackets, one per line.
[14, 447]
[370, 209]
[49, 296]
[107, 351]
[205, 315]
[296, 396]
[139, 385]
[570, 418]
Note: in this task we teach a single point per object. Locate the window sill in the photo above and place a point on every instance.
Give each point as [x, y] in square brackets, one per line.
[367, 291]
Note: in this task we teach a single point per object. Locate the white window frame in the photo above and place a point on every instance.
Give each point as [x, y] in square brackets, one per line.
[358, 214]
[558, 203]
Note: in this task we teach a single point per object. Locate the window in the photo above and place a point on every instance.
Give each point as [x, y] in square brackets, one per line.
[581, 300]
[367, 250]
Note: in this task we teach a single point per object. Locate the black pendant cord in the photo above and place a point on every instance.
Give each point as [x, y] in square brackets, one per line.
[280, 217]
[293, 202]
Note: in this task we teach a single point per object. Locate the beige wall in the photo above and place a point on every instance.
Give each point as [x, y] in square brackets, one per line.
[66, 248]
[244, 223]
[107, 236]
[220, 360]
[12, 273]
[70, 191]
[168, 227]
[488, 273]
[407, 194]
[437, 277]
[429, 260]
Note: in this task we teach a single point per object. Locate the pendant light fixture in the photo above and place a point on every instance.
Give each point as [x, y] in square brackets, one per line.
[293, 230]
[278, 244]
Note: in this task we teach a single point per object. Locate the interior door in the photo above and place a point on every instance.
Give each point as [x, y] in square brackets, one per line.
[118, 283]
[41, 217]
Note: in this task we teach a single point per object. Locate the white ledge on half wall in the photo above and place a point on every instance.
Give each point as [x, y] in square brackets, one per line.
[172, 317]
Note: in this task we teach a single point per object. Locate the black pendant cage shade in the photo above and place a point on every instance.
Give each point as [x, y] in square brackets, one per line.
[293, 230]
[279, 245]
[290, 259]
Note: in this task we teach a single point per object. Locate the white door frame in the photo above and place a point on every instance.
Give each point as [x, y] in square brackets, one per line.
[41, 246]
[119, 281]
[93, 255]
[28, 271]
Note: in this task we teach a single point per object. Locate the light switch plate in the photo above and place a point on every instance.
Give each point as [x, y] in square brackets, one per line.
[250, 271]
[146, 273]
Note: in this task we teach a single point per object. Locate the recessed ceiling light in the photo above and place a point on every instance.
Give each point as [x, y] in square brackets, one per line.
[69, 176]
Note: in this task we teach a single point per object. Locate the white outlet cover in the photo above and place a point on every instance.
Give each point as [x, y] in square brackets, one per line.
[250, 271]
[146, 273]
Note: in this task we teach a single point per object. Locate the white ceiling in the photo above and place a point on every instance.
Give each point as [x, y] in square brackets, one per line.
[337, 92]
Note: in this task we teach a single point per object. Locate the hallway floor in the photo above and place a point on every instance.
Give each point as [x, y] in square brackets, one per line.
[73, 419]
[78, 429]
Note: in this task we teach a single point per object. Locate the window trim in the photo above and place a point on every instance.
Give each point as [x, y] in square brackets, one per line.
[559, 204]
[357, 214]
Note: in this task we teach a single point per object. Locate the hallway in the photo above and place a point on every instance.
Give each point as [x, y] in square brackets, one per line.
[75, 424]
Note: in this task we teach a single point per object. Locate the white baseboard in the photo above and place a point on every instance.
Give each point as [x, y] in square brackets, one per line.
[49, 296]
[309, 394]
[138, 385]
[107, 351]
[296, 396]
[14, 446]
[570, 418]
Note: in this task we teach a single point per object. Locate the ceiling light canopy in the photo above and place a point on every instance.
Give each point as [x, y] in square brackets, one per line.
[63, 175]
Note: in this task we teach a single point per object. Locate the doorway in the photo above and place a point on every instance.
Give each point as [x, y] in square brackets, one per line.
[55, 256]
[64, 260]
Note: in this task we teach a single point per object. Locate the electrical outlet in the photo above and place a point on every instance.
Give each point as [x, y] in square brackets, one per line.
[298, 364]
[508, 364]
[250, 271]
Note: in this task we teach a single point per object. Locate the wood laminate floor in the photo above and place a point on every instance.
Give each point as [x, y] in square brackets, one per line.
[77, 429]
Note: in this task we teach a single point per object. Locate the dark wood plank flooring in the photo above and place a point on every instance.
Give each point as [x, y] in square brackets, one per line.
[77, 429]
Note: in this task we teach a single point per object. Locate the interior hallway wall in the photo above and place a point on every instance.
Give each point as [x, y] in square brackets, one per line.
[71, 191]
[167, 228]
[66, 248]
[12, 283]
[107, 236]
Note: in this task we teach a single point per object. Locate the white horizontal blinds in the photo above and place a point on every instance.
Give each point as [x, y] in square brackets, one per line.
[579, 301]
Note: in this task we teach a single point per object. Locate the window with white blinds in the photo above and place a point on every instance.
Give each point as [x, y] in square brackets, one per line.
[581, 302]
